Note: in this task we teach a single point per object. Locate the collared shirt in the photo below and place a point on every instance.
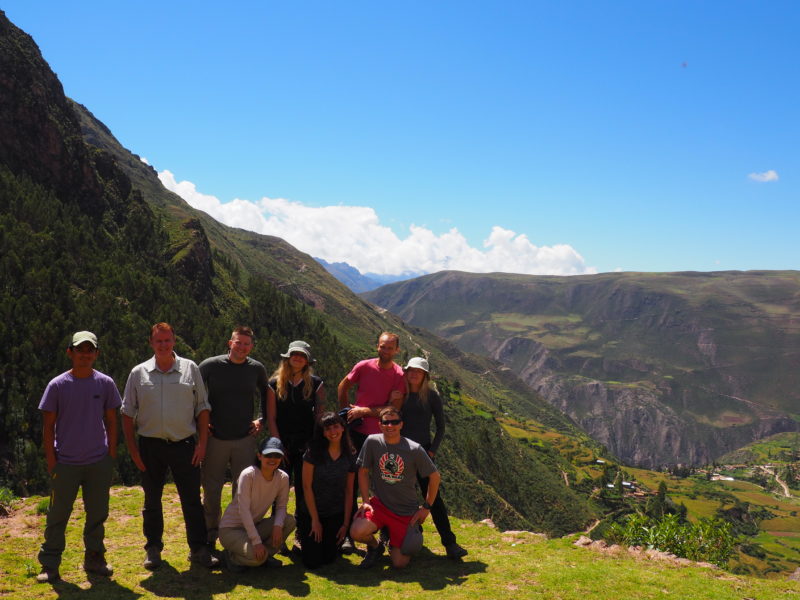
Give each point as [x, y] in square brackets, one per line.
[165, 404]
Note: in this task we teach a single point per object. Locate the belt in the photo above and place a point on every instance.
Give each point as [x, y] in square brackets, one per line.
[166, 441]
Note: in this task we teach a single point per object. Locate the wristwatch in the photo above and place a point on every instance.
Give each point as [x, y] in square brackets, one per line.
[426, 505]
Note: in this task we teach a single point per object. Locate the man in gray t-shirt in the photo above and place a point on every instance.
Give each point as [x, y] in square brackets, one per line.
[391, 462]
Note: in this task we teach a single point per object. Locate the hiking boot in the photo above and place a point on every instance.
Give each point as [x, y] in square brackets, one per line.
[95, 562]
[48, 575]
[371, 557]
[201, 556]
[231, 564]
[153, 560]
[455, 552]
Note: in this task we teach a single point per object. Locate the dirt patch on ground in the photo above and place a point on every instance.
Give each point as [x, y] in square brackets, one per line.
[22, 522]
[522, 537]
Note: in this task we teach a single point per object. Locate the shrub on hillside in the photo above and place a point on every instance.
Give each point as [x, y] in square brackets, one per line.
[708, 540]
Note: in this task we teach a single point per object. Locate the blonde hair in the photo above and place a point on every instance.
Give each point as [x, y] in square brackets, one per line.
[283, 375]
[424, 387]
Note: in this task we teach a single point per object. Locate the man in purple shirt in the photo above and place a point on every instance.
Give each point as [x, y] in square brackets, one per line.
[79, 409]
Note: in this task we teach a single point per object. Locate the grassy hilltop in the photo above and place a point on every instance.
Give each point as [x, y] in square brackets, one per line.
[508, 565]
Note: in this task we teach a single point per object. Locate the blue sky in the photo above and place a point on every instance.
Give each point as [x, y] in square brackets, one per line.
[540, 137]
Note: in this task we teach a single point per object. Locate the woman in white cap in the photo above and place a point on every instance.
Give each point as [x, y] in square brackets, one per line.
[295, 398]
[249, 539]
[421, 405]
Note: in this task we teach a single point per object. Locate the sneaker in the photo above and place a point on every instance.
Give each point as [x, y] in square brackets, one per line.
[347, 546]
[48, 575]
[371, 557]
[95, 562]
[232, 565]
[455, 552]
[202, 556]
[153, 559]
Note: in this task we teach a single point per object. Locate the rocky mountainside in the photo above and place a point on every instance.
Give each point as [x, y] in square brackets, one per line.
[660, 368]
[90, 239]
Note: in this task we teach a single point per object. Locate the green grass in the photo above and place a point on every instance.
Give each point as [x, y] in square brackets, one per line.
[500, 565]
[776, 449]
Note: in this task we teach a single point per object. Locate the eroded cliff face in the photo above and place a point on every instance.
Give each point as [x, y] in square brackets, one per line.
[637, 423]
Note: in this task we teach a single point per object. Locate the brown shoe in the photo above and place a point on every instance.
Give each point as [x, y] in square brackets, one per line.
[48, 575]
[95, 562]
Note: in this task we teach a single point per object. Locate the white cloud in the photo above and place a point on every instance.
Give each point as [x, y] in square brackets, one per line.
[764, 177]
[354, 234]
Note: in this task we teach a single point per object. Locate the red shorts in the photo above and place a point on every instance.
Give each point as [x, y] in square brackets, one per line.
[383, 517]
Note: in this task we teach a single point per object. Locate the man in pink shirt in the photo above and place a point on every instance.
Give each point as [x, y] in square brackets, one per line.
[380, 383]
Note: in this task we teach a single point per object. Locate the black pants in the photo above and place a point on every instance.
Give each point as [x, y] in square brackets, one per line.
[315, 554]
[439, 514]
[158, 456]
[295, 472]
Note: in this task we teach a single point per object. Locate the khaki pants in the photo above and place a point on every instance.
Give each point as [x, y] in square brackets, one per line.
[219, 453]
[66, 480]
[236, 541]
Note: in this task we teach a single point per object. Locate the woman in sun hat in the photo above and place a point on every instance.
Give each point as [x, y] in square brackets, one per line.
[295, 398]
[421, 405]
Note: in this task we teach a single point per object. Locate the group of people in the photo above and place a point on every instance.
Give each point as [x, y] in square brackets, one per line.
[197, 422]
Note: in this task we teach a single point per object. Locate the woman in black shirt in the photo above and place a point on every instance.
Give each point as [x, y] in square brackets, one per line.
[421, 404]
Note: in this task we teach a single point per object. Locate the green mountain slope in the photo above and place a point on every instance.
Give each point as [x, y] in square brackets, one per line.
[660, 368]
[89, 239]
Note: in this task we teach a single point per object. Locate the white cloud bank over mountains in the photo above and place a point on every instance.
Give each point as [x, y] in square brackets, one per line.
[354, 235]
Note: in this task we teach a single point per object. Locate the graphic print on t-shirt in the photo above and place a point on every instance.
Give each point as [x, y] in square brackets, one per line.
[392, 467]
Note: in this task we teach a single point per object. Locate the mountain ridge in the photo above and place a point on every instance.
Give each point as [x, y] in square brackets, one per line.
[660, 368]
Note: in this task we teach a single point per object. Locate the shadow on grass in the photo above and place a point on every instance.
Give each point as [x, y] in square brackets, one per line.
[430, 571]
[101, 587]
[198, 583]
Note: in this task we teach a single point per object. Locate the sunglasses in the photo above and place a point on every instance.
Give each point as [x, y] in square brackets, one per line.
[392, 422]
[272, 455]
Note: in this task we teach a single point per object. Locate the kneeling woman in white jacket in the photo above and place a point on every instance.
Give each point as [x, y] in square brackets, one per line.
[249, 539]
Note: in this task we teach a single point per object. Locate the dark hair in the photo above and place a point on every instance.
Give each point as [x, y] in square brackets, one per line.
[318, 444]
[244, 330]
[389, 410]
